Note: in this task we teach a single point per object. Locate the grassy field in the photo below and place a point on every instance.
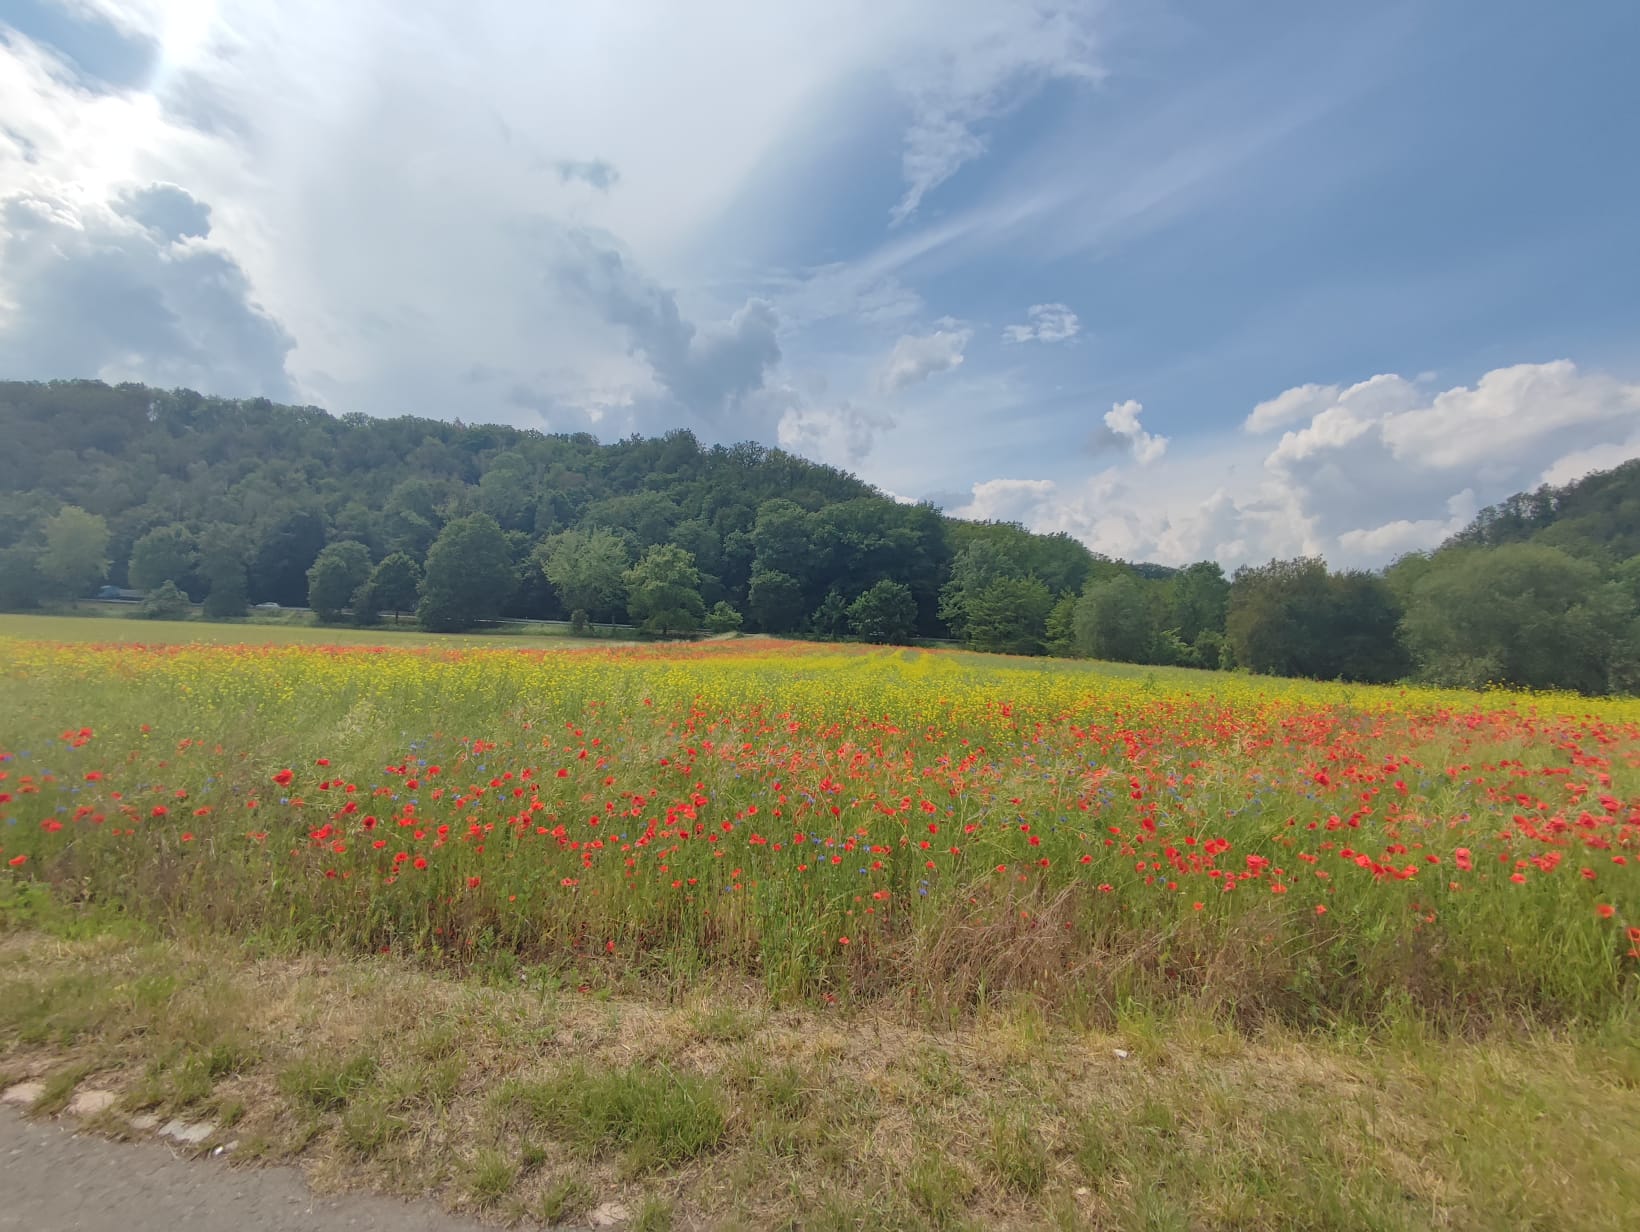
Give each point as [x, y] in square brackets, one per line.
[285, 632]
[763, 934]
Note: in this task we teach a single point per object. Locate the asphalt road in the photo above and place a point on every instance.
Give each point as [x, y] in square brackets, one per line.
[51, 1180]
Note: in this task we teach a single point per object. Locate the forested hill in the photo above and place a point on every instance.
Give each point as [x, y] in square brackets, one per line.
[786, 542]
[1598, 515]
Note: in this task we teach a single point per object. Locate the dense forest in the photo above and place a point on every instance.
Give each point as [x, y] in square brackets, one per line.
[188, 499]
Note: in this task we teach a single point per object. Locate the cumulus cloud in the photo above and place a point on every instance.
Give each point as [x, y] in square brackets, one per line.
[842, 435]
[917, 357]
[1010, 500]
[1363, 474]
[1122, 422]
[132, 290]
[1291, 406]
[1044, 323]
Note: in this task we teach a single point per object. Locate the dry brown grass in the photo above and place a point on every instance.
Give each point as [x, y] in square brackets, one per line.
[830, 1119]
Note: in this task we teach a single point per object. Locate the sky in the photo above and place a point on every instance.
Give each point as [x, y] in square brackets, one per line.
[1185, 280]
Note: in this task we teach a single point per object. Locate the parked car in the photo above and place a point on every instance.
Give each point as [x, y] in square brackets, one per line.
[267, 607]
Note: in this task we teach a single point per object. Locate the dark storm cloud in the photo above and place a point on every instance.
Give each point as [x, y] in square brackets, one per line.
[133, 293]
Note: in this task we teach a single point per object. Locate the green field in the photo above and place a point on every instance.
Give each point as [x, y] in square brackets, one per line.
[276, 632]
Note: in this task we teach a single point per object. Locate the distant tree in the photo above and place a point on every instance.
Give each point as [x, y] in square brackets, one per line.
[222, 569]
[885, 613]
[1521, 614]
[164, 554]
[974, 568]
[507, 493]
[1198, 597]
[394, 584]
[468, 577]
[1362, 639]
[335, 577]
[21, 585]
[586, 568]
[723, 618]
[1061, 626]
[1010, 616]
[775, 601]
[75, 558]
[165, 602]
[282, 556]
[1113, 620]
[662, 591]
[1278, 617]
[831, 618]
[782, 539]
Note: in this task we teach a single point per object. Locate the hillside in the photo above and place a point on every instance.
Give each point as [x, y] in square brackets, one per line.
[1598, 514]
[279, 483]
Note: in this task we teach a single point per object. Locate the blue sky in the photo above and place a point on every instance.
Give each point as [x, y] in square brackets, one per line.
[1182, 279]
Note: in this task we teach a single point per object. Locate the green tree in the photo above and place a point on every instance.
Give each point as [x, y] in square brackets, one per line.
[887, 612]
[1114, 621]
[285, 551]
[974, 568]
[20, 583]
[723, 618]
[782, 539]
[75, 558]
[663, 591]
[1278, 617]
[775, 601]
[164, 554]
[830, 619]
[394, 584]
[469, 575]
[1521, 614]
[1010, 616]
[335, 577]
[1198, 596]
[165, 602]
[1363, 631]
[222, 569]
[587, 568]
[1061, 626]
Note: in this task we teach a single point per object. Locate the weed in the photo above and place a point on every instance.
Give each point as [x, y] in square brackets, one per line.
[564, 1200]
[490, 1177]
[326, 1084]
[655, 1215]
[663, 1115]
[1016, 1154]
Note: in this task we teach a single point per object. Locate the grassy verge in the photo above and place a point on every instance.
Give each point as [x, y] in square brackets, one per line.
[530, 1103]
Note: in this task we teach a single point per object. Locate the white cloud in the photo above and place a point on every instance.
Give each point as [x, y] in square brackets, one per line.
[132, 289]
[976, 62]
[1379, 468]
[406, 239]
[1291, 406]
[1044, 323]
[1010, 500]
[916, 358]
[1123, 421]
[841, 435]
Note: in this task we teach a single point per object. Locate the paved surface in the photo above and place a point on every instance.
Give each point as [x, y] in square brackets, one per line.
[53, 1181]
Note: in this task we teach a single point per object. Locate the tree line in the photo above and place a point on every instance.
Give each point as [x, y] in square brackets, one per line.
[240, 502]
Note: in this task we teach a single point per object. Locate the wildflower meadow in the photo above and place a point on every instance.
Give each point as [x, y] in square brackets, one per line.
[844, 825]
